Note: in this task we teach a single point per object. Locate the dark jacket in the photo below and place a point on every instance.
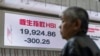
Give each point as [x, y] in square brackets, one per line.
[80, 46]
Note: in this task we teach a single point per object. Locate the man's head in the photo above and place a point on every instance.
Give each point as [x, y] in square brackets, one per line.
[74, 22]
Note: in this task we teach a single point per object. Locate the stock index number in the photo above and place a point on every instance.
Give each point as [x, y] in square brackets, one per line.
[37, 41]
[38, 32]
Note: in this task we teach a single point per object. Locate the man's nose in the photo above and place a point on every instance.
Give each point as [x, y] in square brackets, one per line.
[60, 26]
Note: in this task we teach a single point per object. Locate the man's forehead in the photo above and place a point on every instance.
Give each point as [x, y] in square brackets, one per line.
[64, 16]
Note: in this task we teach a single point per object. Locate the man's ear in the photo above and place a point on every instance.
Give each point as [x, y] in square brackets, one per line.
[77, 24]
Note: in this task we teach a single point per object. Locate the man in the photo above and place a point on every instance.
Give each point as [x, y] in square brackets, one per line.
[74, 29]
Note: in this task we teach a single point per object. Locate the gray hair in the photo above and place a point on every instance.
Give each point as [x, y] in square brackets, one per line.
[78, 13]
